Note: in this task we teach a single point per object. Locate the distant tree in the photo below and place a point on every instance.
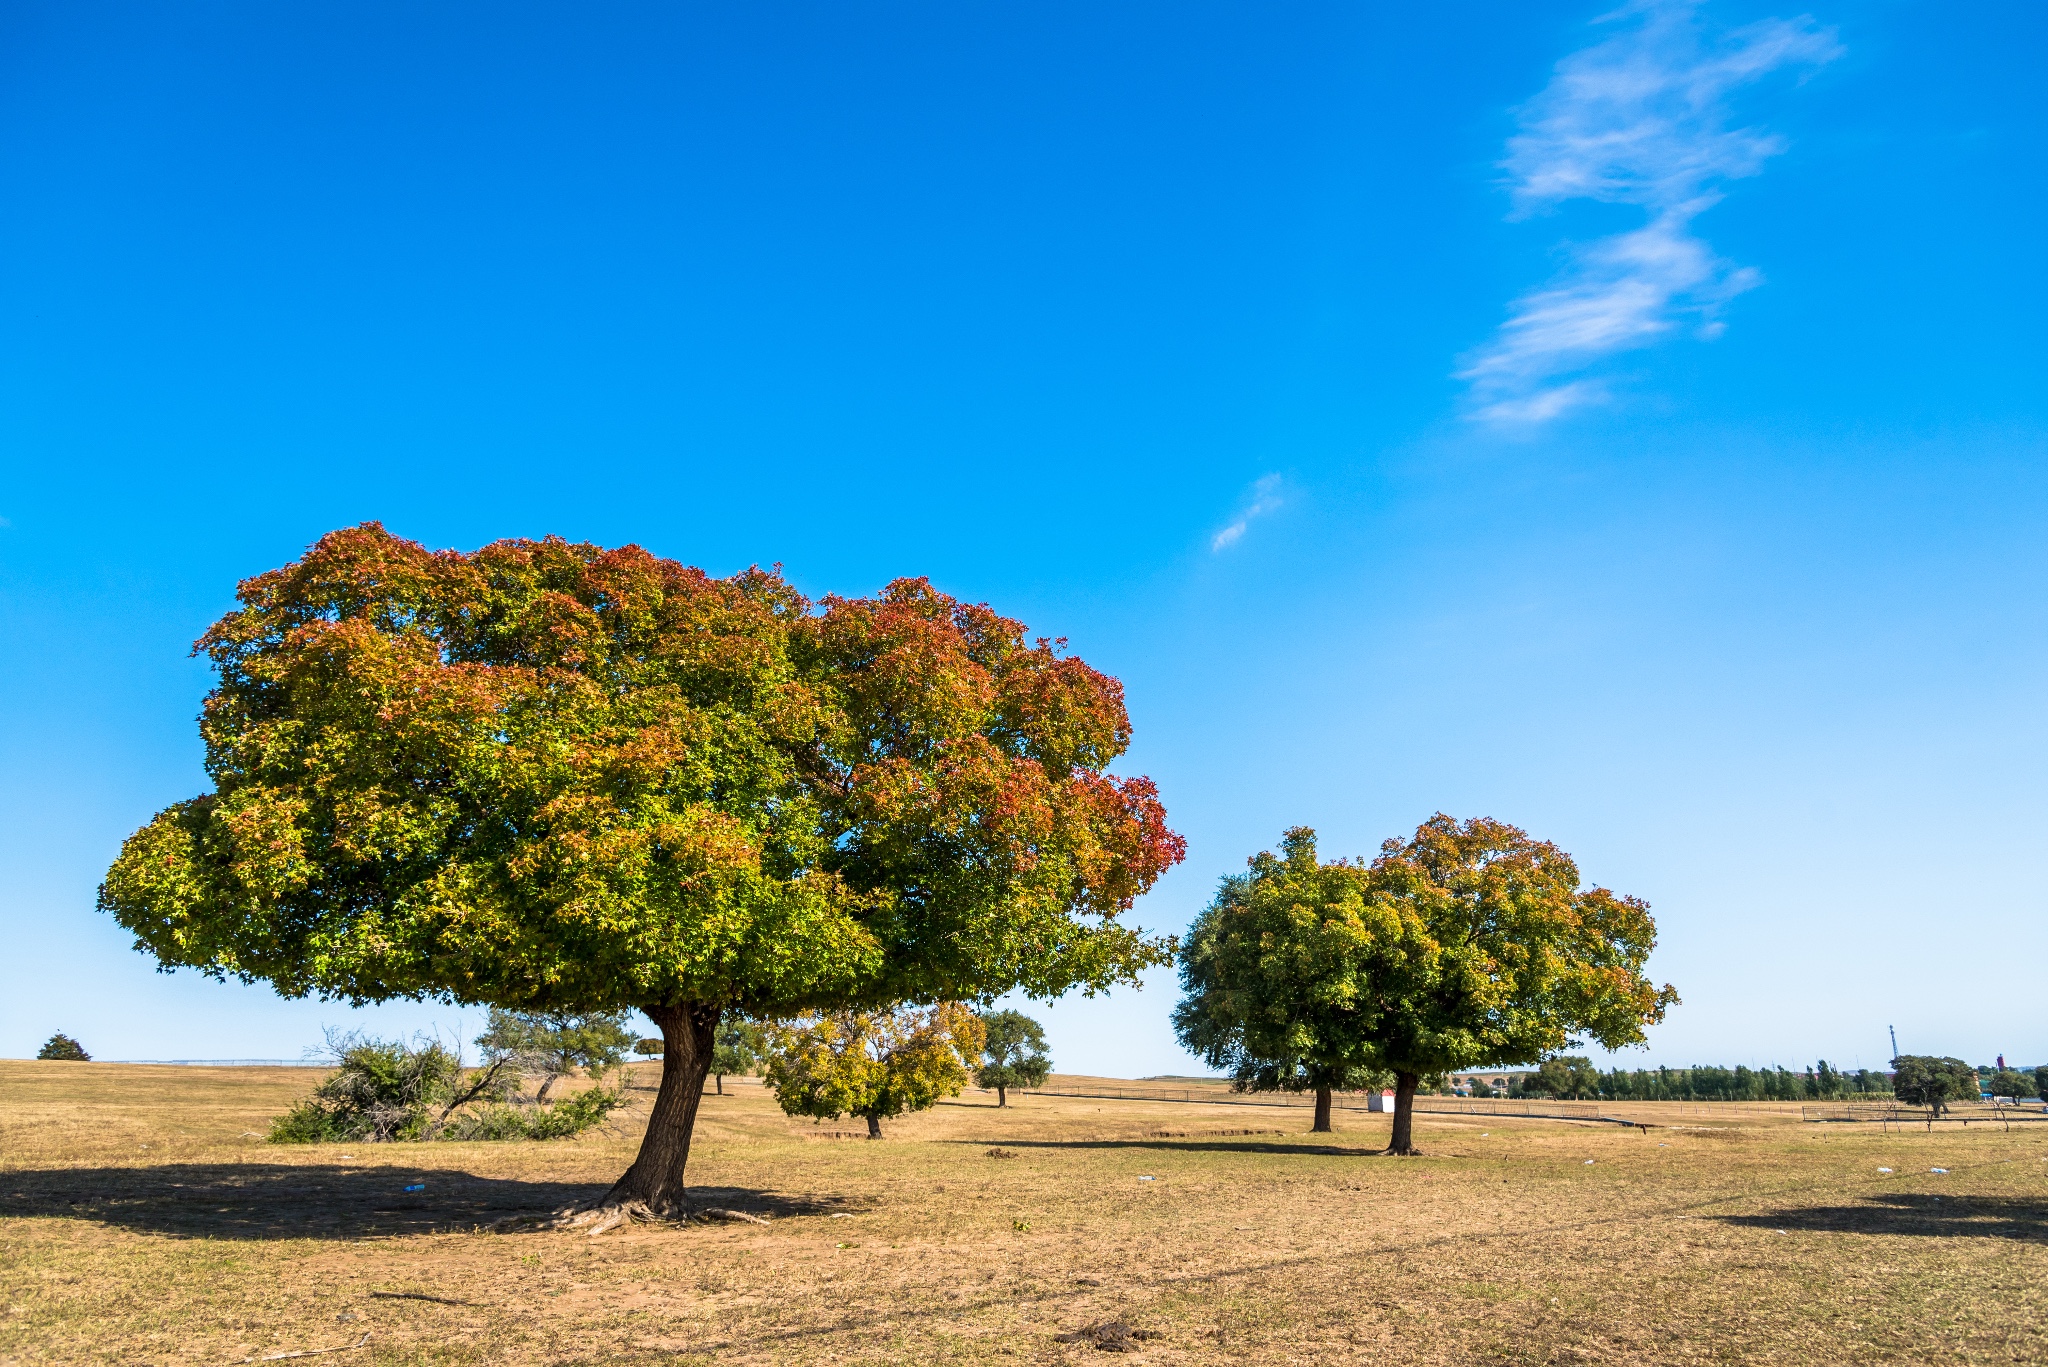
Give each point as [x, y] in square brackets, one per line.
[648, 1048]
[875, 1065]
[1013, 1054]
[558, 777]
[551, 1046]
[61, 1046]
[736, 1049]
[1925, 1080]
[2013, 1083]
[1571, 1079]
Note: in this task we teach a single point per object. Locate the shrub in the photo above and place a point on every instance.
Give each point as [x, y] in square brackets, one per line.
[62, 1047]
[390, 1090]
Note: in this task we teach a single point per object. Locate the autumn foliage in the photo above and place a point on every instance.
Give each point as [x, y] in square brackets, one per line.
[875, 1064]
[550, 776]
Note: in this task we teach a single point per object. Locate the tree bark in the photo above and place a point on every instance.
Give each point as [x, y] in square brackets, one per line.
[721, 1084]
[1403, 1141]
[874, 1127]
[656, 1178]
[1322, 1125]
[1002, 1097]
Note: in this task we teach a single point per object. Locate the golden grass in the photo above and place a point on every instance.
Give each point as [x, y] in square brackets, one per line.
[1763, 1240]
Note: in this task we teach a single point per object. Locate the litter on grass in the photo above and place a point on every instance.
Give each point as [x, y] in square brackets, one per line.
[1884, 1169]
[1589, 1162]
[1943, 1170]
[1148, 1179]
[417, 1186]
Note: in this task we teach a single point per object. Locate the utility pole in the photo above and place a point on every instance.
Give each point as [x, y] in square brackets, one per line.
[1895, 1040]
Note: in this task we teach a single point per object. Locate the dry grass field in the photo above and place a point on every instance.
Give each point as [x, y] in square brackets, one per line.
[142, 1220]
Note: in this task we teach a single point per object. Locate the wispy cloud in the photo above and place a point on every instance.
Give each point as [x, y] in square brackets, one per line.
[1639, 119]
[1263, 499]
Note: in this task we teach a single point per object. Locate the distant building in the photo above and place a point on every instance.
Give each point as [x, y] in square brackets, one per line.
[1488, 1080]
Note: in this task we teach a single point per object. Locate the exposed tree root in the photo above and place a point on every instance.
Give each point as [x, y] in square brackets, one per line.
[599, 1219]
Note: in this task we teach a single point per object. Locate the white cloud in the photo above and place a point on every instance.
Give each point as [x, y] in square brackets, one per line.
[1264, 498]
[1637, 119]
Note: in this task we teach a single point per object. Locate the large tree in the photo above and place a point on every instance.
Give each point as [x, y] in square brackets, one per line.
[1501, 957]
[1468, 945]
[553, 777]
[1274, 972]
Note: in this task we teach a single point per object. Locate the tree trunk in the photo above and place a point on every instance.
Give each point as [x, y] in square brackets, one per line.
[721, 1084]
[656, 1178]
[1403, 1141]
[1322, 1125]
[1002, 1097]
[874, 1127]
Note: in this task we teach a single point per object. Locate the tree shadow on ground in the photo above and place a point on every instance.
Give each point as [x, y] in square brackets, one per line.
[323, 1201]
[1942, 1217]
[1182, 1146]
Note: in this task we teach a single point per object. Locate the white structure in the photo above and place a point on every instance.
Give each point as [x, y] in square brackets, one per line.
[1380, 1101]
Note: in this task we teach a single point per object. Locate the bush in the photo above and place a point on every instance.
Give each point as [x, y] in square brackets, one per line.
[385, 1091]
[563, 1119]
[62, 1047]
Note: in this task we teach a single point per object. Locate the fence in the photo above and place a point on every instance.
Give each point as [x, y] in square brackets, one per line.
[1895, 1113]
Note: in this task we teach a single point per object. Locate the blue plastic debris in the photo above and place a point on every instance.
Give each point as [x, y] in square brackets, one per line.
[417, 1186]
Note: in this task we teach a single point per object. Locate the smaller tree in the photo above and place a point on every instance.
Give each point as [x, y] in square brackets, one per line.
[1013, 1055]
[1924, 1080]
[64, 1048]
[648, 1048]
[1569, 1079]
[736, 1048]
[551, 1045]
[2011, 1082]
[875, 1065]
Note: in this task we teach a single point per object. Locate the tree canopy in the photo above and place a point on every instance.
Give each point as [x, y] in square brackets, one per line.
[1933, 1082]
[2013, 1083]
[1012, 1054]
[1468, 944]
[1570, 1079]
[63, 1048]
[1274, 974]
[554, 777]
[875, 1065]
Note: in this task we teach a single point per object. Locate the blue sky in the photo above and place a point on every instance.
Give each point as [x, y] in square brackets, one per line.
[1629, 425]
